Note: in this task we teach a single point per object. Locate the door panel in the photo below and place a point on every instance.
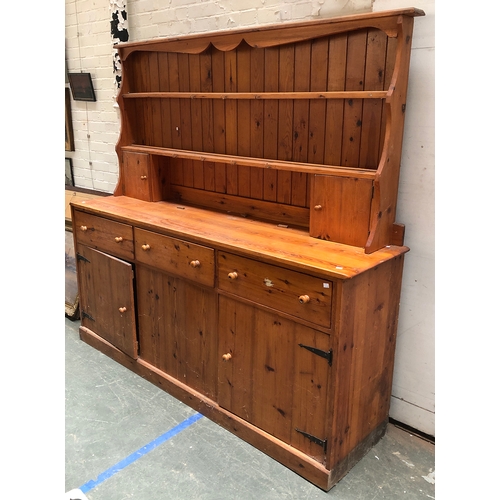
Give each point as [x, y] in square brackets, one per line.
[342, 208]
[269, 379]
[107, 298]
[177, 328]
[137, 184]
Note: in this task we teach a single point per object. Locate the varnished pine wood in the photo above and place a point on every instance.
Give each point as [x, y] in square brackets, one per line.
[365, 336]
[77, 194]
[303, 145]
[285, 246]
[371, 120]
[368, 94]
[177, 328]
[256, 123]
[265, 352]
[386, 185]
[101, 233]
[264, 210]
[287, 167]
[271, 62]
[175, 255]
[297, 461]
[283, 288]
[144, 176]
[255, 210]
[343, 209]
[112, 314]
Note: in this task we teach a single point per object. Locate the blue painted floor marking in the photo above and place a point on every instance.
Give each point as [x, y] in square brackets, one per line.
[139, 453]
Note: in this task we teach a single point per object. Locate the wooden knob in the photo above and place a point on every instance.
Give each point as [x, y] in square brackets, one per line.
[304, 299]
[118, 239]
[145, 247]
[227, 356]
[122, 309]
[195, 263]
[143, 177]
[317, 207]
[233, 275]
[83, 228]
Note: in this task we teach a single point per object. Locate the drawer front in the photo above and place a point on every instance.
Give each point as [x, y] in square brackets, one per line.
[288, 291]
[109, 236]
[178, 257]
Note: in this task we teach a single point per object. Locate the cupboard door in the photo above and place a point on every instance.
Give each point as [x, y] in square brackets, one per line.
[143, 177]
[269, 377]
[107, 298]
[340, 209]
[177, 328]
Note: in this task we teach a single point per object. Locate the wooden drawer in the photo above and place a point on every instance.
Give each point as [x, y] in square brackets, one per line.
[109, 236]
[178, 257]
[288, 291]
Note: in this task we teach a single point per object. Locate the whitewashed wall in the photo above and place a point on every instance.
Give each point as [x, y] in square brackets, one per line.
[413, 392]
[96, 129]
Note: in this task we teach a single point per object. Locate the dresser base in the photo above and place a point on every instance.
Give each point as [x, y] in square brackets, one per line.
[291, 458]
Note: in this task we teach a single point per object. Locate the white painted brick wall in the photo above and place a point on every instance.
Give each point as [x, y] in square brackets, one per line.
[95, 124]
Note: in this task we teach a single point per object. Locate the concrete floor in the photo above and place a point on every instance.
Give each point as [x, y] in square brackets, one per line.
[125, 438]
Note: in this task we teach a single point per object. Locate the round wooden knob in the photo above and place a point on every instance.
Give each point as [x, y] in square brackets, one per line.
[118, 239]
[233, 275]
[304, 299]
[227, 356]
[122, 309]
[195, 263]
[317, 207]
[83, 228]
[143, 177]
[145, 247]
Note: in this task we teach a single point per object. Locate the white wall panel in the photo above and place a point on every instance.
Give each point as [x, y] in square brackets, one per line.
[413, 394]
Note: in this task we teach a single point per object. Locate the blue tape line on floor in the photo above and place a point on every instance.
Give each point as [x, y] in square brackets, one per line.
[139, 453]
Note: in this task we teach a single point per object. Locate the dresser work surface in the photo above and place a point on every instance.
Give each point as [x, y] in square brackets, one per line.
[254, 279]
[277, 243]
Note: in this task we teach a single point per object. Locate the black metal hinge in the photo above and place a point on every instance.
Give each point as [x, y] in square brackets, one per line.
[314, 439]
[87, 315]
[81, 257]
[328, 355]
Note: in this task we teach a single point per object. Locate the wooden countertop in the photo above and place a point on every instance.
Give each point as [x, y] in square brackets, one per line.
[230, 232]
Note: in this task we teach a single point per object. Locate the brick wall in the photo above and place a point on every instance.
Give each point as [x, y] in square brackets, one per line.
[95, 124]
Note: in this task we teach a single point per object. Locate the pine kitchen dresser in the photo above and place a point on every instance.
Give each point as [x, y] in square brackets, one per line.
[249, 261]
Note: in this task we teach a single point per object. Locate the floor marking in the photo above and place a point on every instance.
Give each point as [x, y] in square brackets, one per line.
[139, 453]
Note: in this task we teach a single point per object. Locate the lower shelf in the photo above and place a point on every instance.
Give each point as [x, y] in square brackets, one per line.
[295, 460]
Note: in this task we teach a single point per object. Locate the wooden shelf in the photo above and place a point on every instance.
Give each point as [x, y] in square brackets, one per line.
[362, 94]
[309, 168]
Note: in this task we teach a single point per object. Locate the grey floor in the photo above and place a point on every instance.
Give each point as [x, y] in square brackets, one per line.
[125, 438]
